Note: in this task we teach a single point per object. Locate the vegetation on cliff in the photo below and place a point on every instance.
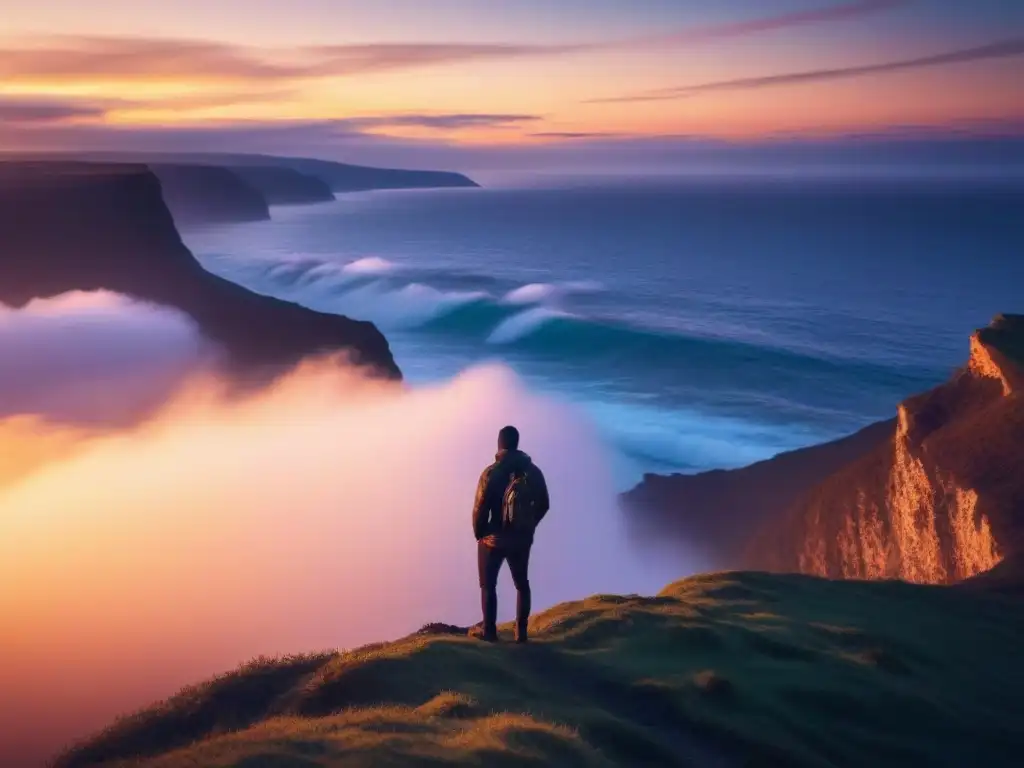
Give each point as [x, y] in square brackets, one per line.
[717, 670]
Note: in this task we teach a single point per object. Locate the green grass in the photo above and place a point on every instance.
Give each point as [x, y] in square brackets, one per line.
[723, 669]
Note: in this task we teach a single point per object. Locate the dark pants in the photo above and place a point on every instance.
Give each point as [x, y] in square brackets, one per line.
[489, 560]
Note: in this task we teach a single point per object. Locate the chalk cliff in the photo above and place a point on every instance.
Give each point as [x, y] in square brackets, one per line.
[85, 226]
[942, 500]
[935, 497]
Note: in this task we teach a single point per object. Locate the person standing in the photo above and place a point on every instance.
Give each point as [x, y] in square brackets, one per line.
[511, 500]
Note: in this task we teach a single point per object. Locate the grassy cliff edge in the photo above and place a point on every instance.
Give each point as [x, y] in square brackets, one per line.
[721, 669]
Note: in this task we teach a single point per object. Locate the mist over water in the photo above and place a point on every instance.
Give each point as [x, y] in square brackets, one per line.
[326, 511]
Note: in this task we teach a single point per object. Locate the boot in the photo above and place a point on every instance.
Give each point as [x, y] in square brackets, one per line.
[522, 615]
[489, 605]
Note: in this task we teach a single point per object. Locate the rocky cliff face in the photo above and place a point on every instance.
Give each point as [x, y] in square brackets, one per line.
[82, 226]
[935, 496]
[941, 501]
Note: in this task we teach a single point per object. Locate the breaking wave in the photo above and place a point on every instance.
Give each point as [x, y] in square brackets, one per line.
[522, 325]
[371, 265]
[543, 320]
[537, 293]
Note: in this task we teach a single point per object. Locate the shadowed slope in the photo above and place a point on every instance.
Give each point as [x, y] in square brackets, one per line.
[718, 670]
[82, 226]
[721, 509]
[281, 185]
[206, 194]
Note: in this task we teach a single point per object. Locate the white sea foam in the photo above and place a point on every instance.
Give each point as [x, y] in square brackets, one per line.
[540, 293]
[533, 293]
[370, 265]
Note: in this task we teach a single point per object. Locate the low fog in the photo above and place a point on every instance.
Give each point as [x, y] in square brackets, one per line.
[93, 357]
[325, 511]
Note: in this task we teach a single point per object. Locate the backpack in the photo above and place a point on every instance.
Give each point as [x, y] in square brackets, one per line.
[517, 514]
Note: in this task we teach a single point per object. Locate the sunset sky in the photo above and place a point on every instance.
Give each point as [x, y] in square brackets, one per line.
[340, 76]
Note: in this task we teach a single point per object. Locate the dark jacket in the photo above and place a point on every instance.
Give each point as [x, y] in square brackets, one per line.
[491, 490]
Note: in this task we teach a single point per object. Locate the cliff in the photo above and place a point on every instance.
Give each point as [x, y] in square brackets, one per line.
[719, 511]
[339, 177]
[83, 226]
[724, 670]
[942, 500]
[937, 496]
[208, 194]
[281, 185]
[343, 177]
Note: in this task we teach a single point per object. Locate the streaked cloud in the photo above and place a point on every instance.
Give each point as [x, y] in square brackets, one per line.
[822, 14]
[76, 58]
[33, 110]
[448, 122]
[576, 135]
[996, 50]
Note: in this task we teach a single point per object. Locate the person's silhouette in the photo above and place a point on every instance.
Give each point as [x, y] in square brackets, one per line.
[511, 499]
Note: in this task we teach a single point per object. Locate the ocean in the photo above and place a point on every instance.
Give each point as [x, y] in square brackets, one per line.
[700, 323]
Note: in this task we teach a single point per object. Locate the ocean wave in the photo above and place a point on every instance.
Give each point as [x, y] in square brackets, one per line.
[370, 265]
[518, 326]
[529, 321]
[534, 293]
[539, 293]
[410, 306]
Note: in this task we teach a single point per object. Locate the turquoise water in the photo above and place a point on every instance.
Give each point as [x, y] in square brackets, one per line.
[700, 323]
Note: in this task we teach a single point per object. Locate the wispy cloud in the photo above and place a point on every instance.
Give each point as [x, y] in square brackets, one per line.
[70, 58]
[996, 50]
[22, 111]
[591, 135]
[74, 58]
[823, 14]
[446, 122]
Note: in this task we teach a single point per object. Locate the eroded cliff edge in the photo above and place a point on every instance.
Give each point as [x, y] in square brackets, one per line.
[936, 496]
[68, 226]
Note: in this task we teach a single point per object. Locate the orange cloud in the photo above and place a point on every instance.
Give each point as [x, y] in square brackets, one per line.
[72, 58]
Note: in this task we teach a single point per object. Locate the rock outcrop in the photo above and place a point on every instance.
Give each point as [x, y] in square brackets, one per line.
[937, 497]
[208, 194]
[68, 226]
[941, 501]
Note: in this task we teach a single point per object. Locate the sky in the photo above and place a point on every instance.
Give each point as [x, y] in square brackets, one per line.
[448, 78]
